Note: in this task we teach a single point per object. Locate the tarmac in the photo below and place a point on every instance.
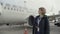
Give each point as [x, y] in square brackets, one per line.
[17, 29]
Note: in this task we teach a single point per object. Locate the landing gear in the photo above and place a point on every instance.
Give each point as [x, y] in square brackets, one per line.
[58, 24]
[7, 24]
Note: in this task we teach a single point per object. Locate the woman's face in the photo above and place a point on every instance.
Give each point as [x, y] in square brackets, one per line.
[42, 11]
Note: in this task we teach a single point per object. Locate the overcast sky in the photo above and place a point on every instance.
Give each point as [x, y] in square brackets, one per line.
[52, 6]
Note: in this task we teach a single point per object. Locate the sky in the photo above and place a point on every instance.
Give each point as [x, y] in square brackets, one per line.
[52, 6]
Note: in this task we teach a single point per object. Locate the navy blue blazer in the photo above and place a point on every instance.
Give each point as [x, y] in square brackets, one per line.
[43, 25]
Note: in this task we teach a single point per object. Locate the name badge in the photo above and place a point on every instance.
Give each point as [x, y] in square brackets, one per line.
[38, 29]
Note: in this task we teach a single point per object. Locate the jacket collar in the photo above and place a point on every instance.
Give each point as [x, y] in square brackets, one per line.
[39, 16]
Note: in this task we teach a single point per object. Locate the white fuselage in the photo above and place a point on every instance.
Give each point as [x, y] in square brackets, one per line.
[12, 14]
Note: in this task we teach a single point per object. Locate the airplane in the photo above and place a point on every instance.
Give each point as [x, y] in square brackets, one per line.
[12, 14]
[56, 19]
[16, 15]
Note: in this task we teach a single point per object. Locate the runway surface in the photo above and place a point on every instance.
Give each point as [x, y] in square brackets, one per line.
[16, 29]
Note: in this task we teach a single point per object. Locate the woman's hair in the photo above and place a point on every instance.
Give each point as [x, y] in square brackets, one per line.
[41, 8]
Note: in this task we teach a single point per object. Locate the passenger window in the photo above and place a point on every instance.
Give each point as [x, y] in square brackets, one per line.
[1, 3]
[8, 8]
[4, 7]
[11, 8]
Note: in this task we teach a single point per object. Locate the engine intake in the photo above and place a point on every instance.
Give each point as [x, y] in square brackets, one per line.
[31, 20]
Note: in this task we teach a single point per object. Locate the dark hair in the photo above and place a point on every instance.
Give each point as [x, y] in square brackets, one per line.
[41, 8]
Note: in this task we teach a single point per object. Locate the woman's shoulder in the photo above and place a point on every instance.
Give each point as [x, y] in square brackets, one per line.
[36, 16]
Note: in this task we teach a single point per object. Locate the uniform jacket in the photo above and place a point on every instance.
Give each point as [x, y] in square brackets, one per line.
[43, 25]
